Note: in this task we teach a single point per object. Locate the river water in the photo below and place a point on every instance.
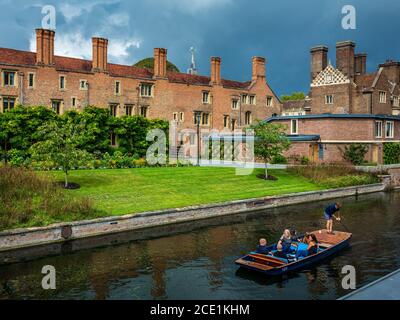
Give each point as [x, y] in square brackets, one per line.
[196, 260]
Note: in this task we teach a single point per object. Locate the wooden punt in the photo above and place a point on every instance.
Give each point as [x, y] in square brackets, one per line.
[329, 244]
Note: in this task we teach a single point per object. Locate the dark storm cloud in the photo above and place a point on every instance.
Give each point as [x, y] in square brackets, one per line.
[282, 31]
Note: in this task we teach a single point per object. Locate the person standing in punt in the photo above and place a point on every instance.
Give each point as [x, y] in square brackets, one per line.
[329, 214]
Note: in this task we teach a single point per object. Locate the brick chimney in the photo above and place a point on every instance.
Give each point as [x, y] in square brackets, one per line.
[44, 47]
[319, 60]
[216, 70]
[345, 58]
[360, 63]
[160, 63]
[99, 54]
[259, 71]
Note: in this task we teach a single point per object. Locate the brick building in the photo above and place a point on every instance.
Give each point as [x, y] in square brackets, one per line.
[63, 83]
[345, 105]
[348, 88]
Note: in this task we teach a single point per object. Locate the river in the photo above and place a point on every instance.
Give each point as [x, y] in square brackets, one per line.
[196, 260]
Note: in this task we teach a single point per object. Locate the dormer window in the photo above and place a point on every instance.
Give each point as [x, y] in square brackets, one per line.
[146, 90]
[382, 97]
[396, 102]
[269, 101]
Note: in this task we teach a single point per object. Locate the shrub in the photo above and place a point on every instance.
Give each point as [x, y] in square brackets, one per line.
[279, 159]
[304, 161]
[391, 153]
[355, 153]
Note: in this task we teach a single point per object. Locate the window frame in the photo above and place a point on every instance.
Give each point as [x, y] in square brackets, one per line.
[391, 136]
[252, 99]
[396, 101]
[85, 88]
[33, 74]
[150, 89]
[128, 107]
[58, 102]
[62, 88]
[14, 78]
[247, 118]
[235, 101]
[203, 93]
[378, 125]
[113, 108]
[205, 116]
[329, 101]
[74, 99]
[146, 111]
[382, 94]
[6, 98]
[269, 102]
[296, 121]
[117, 85]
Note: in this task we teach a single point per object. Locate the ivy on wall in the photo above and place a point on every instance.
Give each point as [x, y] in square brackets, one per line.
[391, 153]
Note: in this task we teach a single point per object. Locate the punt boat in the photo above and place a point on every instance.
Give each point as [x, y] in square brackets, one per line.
[328, 244]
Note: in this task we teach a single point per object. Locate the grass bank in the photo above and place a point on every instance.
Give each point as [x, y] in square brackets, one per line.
[121, 191]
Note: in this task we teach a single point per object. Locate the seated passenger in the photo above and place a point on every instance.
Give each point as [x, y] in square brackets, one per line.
[262, 247]
[285, 242]
[312, 246]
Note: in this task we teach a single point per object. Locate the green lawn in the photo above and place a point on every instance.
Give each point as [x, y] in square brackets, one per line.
[123, 191]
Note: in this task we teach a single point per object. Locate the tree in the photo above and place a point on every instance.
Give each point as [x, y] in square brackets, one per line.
[149, 64]
[293, 96]
[270, 141]
[60, 145]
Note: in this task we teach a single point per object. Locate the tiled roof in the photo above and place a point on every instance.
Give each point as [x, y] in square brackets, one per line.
[294, 104]
[26, 58]
[335, 116]
[365, 80]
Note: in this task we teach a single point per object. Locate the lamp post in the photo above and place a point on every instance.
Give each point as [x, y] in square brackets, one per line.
[198, 118]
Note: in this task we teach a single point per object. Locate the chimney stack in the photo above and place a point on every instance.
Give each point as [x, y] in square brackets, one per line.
[345, 58]
[360, 63]
[259, 71]
[216, 70]
[319, 60]
[99, 54]
[160, 63]
[44, 47]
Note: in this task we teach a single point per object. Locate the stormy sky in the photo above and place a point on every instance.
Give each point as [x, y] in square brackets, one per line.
[282, 31]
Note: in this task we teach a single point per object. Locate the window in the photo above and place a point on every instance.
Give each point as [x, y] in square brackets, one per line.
[244, 98]
[83, 84]
[9, 78]
[181, 116]
[206, 97]
[113, 139]
[31, 80]
[389, 129]
[143, 111]
[128, 109]
[8, 103]
[146, 90]
[56, 106]
[252, 99]
[233, 124]
[247, 118]
[329, 99]
[113, 110]
[382, 97]
[396, 101]
[294, 126]
[205, 118]
[269, 101]
[73, 101]
[195, 117]
[175, 116]
[226, 121]
[378, 129]
[117, 87]
[235, 104]
[62, 83]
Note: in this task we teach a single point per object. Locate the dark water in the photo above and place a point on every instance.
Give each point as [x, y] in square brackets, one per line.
[198, 264]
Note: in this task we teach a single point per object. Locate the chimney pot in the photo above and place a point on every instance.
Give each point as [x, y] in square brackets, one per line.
[160, 63]
[99, 54]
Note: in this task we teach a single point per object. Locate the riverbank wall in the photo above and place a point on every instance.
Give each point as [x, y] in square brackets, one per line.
[64, 232]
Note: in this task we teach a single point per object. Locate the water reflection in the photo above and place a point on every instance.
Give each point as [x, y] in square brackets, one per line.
[192, 263]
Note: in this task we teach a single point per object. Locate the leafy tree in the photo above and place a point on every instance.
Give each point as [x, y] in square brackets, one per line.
[61, 145]
[270, 141]
[355, 153]
[293, 96]
[149, 64]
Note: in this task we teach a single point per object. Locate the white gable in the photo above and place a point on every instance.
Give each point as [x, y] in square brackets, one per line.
[329, 76]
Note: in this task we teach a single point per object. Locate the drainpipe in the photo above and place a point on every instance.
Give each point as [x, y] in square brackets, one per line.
[21, 88]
